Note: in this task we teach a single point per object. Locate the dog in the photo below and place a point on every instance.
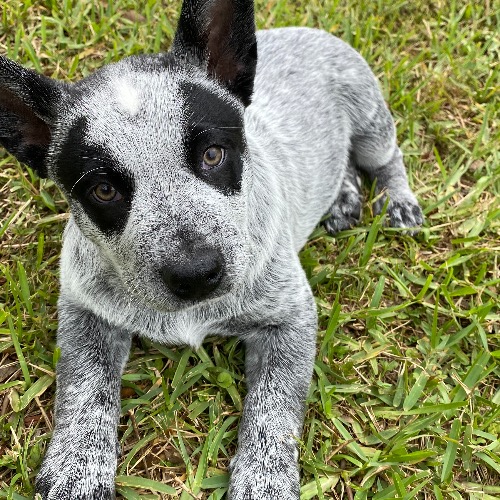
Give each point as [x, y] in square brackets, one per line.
[194, 177]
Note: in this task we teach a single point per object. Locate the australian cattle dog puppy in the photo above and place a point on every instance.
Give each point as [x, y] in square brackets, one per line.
[194, 177]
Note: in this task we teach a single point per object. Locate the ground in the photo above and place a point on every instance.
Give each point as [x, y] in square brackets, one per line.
[405, 401]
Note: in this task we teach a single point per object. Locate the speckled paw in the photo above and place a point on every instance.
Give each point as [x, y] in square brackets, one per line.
[344, 213]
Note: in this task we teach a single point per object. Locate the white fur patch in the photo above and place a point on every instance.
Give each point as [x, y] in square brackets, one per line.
[127, 97]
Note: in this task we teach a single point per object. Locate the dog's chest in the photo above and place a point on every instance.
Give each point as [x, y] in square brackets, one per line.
[176, 329]
[171, 328]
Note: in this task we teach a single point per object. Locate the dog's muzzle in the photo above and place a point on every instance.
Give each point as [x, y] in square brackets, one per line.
[194, 275]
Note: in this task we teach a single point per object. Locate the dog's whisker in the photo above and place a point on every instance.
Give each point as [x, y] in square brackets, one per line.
[82, 176]
[193, 126]
[216, 128]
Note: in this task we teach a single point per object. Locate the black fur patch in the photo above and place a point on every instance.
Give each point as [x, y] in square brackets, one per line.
[213, 122]
[81, 166]
[27, 111]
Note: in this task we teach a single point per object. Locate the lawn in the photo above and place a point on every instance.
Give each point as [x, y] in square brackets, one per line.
[405, 401]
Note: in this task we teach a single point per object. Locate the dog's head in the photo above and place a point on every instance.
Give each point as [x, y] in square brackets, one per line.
[151, 153]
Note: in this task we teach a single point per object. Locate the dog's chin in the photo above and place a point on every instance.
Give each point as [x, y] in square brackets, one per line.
[163, 301]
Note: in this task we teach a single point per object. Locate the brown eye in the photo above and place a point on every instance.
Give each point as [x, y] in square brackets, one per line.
[106, 193]
[213, 157]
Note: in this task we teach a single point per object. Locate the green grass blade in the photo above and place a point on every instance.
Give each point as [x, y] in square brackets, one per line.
[19, 352]
[145, 484]
[451, 451]
[416, 391]
[35, 390]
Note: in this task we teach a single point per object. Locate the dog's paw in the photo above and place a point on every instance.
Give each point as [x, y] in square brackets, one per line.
[267, 479]
[67, 473]
[67, 483]
[402, 214]
[65, 490]
[345, 212]
[403, 211]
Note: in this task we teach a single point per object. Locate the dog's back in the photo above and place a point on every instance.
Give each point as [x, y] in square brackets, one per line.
[314, 98]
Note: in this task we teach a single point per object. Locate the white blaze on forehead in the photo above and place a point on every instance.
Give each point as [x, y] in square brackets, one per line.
[127, 97]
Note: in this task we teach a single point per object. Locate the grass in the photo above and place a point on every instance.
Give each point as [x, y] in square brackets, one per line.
[405, 401]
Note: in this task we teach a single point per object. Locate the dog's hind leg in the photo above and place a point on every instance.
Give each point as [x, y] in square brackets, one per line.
[346, 209]
[377, 154]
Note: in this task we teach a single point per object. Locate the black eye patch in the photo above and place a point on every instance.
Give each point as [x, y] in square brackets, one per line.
[213, 122]
[81, 167]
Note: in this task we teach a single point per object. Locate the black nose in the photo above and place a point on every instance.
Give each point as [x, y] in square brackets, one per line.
[195, 275]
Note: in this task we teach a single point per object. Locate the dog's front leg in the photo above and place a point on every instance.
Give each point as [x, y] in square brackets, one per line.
[279, 363]
[81, 459]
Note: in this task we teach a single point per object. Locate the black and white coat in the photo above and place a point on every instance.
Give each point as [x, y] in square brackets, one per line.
[162, 244]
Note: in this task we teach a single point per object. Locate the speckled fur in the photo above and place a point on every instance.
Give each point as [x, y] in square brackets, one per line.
[317, 120]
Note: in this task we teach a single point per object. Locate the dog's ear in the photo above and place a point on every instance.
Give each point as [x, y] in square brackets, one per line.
[219, 35]
[28, 107]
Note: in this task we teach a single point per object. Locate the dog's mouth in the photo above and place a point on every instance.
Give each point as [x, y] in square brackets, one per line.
[184, 280]
[162, 299]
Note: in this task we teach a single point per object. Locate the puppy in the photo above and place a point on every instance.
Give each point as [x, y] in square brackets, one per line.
[194, 177]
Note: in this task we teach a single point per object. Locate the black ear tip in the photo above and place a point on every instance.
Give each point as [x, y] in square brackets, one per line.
[219, 35]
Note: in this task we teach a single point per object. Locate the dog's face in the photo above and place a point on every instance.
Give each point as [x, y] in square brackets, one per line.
[151, 155]
[152, 159]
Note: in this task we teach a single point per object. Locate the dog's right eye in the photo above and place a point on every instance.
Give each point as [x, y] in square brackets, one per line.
[105, 193]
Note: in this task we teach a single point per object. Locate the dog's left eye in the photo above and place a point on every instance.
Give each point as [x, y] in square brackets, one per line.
[105, 193]
[213, 157]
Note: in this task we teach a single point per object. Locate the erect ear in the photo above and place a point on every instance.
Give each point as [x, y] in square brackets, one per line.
[28, 104]
[219, 35]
